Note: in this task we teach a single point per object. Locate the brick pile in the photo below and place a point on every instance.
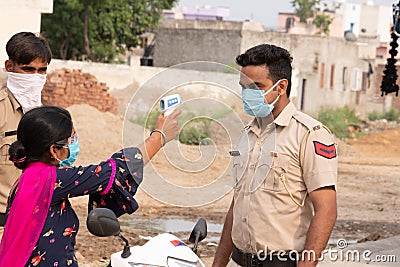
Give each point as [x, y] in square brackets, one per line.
[65, 87]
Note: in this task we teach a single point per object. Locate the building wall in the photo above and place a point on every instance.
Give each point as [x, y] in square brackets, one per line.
[174, 46]
[335, 29]
[351, 15]
[375, 21]
[368, 21]
[200, 24]
[117, 76]
[20, 15]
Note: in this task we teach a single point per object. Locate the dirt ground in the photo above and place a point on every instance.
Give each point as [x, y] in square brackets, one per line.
[368, 188]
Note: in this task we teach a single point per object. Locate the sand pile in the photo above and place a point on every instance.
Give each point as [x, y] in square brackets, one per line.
[100, 133]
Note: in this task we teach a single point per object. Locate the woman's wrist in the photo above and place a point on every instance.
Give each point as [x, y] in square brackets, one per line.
[162, 136]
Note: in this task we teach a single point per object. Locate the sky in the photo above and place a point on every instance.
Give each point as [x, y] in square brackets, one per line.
[263, 11]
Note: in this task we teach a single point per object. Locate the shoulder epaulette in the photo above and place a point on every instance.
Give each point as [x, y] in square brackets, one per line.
[309, 122]
[312, 125]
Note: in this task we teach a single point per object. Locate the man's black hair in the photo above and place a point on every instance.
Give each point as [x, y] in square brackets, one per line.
[24, 47]
[277, 59]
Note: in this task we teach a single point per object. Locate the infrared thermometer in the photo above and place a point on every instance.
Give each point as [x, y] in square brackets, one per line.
[169, 103]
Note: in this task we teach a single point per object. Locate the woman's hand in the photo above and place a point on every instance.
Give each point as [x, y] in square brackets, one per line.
[168, 125]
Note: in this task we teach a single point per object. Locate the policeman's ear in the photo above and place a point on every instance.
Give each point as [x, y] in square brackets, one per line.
[9, 65]
[282, 86]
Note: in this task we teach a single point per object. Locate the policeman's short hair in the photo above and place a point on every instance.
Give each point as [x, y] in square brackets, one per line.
[24, 47]
[277, 59]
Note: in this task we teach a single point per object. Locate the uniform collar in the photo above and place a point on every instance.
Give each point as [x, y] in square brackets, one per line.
[283, 119]
[286, 115]
[14, 101]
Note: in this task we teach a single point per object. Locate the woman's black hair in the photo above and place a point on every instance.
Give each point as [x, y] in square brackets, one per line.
[38, 129]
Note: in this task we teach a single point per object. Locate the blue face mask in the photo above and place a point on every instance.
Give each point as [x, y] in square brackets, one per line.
[254, 104]
[73, 149]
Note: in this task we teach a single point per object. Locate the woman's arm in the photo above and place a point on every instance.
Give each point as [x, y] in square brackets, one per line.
[169, 126]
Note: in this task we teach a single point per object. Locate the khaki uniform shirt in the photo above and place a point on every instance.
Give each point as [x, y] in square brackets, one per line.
[271, 218]
[10, 115]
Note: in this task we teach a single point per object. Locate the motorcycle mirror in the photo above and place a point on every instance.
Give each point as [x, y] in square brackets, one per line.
[102, 222]
[199, 231]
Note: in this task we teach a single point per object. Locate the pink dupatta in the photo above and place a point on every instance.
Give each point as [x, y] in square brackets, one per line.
[28, 214]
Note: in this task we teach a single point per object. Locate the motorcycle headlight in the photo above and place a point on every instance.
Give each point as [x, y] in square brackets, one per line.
[172, 262]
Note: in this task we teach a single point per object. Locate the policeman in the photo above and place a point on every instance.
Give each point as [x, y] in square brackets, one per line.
[284, 204]
[26, 66]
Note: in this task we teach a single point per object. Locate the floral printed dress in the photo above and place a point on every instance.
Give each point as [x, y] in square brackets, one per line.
[111, 184]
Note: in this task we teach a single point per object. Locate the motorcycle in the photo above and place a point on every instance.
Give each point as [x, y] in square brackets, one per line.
[163, 250]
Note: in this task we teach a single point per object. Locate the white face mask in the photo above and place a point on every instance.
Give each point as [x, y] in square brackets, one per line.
[26, 88]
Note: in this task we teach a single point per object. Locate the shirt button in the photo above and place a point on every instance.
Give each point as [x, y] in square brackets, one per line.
[259, 143]
[252, 166]
[244, 220]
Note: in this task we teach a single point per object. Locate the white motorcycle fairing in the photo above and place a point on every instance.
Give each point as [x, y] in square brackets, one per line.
[164, 250]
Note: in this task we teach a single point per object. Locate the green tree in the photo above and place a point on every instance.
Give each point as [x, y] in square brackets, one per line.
[304, 8]
[99, 29]
[322, 22]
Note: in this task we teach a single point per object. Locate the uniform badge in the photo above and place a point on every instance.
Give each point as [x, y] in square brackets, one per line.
[326, 151]
[138, 156]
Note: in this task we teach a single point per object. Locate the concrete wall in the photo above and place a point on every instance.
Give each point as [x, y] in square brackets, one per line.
[200, 24]
[174, 46]
[20, 15]
[116, 76]
[119, 77]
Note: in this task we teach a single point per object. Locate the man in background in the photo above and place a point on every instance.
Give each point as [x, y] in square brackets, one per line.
[26, 66]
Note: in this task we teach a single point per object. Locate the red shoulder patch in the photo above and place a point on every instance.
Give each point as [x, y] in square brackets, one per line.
[326, 151]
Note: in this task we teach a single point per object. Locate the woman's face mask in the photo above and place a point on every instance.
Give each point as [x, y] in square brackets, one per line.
[254, 104]
[73, 149]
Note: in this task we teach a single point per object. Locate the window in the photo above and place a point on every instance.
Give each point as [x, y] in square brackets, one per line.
[332, 83]
[321, 76]
[364, 83]
[356, 79]
[344, 78]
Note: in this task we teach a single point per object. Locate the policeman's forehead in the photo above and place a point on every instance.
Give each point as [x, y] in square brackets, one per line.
[38, 65]
[254, 75]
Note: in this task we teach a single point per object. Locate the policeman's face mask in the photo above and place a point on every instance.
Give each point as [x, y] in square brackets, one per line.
[26, 88]
[254, 103]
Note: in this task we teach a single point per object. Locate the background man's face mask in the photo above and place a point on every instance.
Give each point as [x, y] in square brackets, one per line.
[26, 88]
[254, 104]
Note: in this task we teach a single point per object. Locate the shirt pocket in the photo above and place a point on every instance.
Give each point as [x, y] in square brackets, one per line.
[5, 143]
[273, 181]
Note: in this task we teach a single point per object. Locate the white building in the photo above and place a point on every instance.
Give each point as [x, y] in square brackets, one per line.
[367, 19]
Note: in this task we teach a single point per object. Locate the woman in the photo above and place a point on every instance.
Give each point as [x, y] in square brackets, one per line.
[41, 225]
